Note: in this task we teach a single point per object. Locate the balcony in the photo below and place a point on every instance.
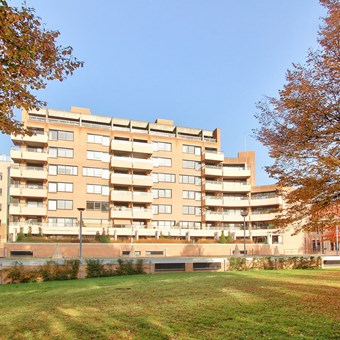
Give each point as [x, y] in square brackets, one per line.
[142, 197]
[212, 170]
[130, 213]
[21, 154]
[121, 196]
[237, 172]
[213, 186]
[27, 210]
[37, 139]
[213, 201]
[129, 163]
[236, 187]
[235, 203]
[216, 156]
[213, 216]
[29, 172]
[266, 201]
[141, 180]
[126, 179]
[129, 146]
[29, 191]
[262, 217]
[34, 172]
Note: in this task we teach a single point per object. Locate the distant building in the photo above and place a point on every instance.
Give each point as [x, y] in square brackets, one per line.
[5, 162]
[135, 179]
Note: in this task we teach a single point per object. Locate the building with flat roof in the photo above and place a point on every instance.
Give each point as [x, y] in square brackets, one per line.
[5, 162]
[134, 179]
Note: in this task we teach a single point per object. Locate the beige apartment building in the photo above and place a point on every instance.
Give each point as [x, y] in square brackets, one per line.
[5, 163]
[135, 179]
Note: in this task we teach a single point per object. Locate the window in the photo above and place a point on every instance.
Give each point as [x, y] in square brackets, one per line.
[60, 152]
[162, 193]
[98, 139]
[191, 210]
[62, 222]
[161, 146]
[60, 135]
[161, 177]
[192, 149]
[98, 156]
[161, 161]
[161, 209]
[97, 206]
[192, 195]
[97, 189]
[60, 187]
[62, 170]
[60, 205]
[96, 172]
[188, 164]
[196, 180]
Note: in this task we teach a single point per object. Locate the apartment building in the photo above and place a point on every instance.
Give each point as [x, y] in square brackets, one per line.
[5, 163]
[134, 179]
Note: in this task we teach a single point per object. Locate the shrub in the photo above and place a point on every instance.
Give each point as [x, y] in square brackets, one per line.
[237, 263]
[222, 237]
[20, 235]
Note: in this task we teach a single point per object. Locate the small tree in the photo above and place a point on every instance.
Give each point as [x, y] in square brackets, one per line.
[222, 237]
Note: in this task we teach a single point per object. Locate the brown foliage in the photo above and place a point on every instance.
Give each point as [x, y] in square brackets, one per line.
[29, 57]
[301, 128]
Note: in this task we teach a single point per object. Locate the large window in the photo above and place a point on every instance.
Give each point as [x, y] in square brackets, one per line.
[60, 152]
[161, 193]
[98, 156]
[161, 177]
[196, 180]
[188, 164]
[161, 161]
[96, 172]
[161, 146]
[61, 135]
[192, 149]
[97, 189]
[62, 170]
[60, 187]
[97, 206]
[191, 210]
[98, 139]
[192, 195]
[60, 205]
[161, 209]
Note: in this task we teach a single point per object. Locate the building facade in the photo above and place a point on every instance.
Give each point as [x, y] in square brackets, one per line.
[5, 163]
[134, 179]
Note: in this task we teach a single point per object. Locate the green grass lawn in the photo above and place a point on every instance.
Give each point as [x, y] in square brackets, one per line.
[296, 304]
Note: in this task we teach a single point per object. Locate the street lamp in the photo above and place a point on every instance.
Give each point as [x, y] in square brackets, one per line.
[81, 233]
[244, 214]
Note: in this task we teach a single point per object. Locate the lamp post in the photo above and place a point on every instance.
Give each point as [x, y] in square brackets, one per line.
[244, 214]
[81, 233]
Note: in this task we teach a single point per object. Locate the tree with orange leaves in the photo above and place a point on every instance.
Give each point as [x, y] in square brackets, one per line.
[301, 128]
[29, 57]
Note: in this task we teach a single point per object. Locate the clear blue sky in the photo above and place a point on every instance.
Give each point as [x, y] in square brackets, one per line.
[201, 63]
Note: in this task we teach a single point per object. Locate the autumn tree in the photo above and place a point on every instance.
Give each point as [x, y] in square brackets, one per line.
[29, 58]
[301, 128]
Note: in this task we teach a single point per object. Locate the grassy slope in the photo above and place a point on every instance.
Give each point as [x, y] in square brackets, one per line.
[239, 305]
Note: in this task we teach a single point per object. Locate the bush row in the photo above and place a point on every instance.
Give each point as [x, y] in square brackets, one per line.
[270, 263]
[53, 271]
